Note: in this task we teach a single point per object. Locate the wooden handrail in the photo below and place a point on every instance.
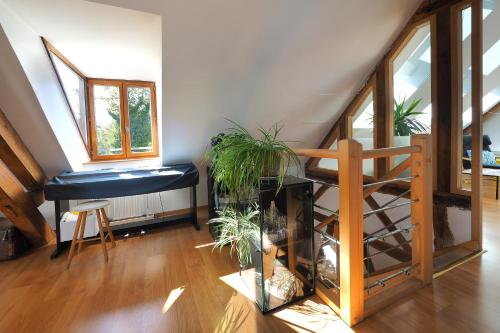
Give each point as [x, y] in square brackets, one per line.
[318, 153]
[388, 152]
[366, 154]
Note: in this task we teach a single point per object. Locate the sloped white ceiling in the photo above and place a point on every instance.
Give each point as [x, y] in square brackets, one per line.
[290, 61]
[256, 62]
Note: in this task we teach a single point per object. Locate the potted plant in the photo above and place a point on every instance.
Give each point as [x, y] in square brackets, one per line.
[240, 163]
[237, 229]
[405, 122]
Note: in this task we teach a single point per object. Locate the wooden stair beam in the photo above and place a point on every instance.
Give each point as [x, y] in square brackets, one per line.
[327, 220]
[319, 192]
[396, 253]
[392, 174]
[19, 207]
[387, 222]
[378, 245]
[18, 159]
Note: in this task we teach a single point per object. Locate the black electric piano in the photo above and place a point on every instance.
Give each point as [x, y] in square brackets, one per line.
[113, 183]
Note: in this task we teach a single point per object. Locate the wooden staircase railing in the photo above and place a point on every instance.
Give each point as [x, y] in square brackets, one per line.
[361, 295]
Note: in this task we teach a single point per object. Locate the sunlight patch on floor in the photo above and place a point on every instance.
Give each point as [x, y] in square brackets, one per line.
[304, 316]
[311, 316]
[204, 245]
[172, 297]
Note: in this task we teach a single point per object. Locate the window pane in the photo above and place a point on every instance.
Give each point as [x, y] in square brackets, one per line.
[412, 111]
[363, 130]
[491, 73]
[466, 89]
[74, 88]
[139, 115]
[108, 119]
[330, 163]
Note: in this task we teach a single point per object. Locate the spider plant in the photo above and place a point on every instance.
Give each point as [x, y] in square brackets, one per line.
[239, 161]
[405, 122]
[237, 229]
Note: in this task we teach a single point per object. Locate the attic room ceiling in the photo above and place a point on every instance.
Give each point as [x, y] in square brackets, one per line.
[102, 41]
[295, 62]
[256, 62]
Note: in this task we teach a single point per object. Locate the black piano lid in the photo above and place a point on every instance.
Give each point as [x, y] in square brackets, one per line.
[111, 183]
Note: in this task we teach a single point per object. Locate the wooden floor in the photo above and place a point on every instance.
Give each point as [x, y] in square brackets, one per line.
[171, 281]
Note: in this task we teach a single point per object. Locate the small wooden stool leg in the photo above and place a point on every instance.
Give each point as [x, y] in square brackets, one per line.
[73, 242]
[101, 234]
[106, 223]
[82, 231]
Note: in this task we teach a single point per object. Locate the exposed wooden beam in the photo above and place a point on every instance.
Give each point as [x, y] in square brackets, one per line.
[327, 221]
[19, 207]
[477, 122]
[18, 159]
[379, 245]
[443, 96]
[396, 253]
[380, 117]
[320, 192]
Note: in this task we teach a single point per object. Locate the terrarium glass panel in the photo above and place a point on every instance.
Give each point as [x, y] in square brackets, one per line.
[282, 268]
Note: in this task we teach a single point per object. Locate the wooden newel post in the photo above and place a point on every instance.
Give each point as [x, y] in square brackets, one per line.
[421, 212]
[351, 228]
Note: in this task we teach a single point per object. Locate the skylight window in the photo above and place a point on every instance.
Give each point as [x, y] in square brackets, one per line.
[467, 117]
[402, 88]
[426, 56]
[491, 59]
[467, 20]
[490, 100]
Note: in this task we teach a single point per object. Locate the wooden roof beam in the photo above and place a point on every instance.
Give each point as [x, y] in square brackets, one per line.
[18, 159]
[18, 206]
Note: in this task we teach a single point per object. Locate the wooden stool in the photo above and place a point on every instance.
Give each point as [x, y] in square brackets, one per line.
[83, 209]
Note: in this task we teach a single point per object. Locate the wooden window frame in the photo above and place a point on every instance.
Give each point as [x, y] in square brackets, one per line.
[90, 139]
[341, 130]
[369, 88]
[124, 120]
[457, 88]
[411, 30]
[51, 50]
[476, 126]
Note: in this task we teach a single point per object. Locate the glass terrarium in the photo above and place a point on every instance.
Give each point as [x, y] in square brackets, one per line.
[282, 268]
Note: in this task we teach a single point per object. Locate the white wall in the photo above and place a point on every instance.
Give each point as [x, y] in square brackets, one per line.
[260, 62]
[103, 42]
[490, 127]
[257, 62]
[20, 105]
[32, 56]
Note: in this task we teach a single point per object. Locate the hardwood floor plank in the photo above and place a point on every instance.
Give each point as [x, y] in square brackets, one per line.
[130, 292]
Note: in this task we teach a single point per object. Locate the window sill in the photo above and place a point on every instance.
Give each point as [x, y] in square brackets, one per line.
[122, 161]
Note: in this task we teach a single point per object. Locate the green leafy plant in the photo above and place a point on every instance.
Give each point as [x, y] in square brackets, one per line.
[405, 122]
[239, 161]
[237, 229]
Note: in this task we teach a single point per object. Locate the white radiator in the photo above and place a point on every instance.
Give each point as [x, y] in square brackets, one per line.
[145, 205]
